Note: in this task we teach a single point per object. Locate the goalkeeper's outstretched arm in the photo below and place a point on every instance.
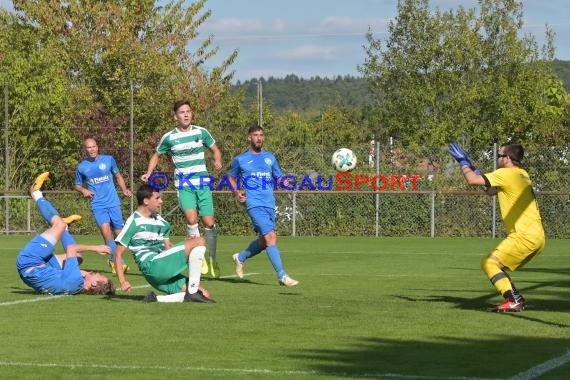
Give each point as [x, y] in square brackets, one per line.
[472, 178]
[475, 178]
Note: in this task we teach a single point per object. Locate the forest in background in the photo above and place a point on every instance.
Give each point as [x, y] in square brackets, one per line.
[311, 95]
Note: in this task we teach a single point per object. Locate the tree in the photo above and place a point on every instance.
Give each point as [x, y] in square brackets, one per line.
[461, 75]
[102, 53]
[37, 97]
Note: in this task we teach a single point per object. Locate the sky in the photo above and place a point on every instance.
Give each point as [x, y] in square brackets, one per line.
[325, 38]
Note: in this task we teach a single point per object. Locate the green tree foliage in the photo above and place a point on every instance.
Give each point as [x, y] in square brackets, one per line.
[228, 122]
[33, 74]
[87, 59]
[463, 75]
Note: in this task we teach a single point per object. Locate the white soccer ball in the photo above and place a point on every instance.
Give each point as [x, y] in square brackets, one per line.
[343, 160]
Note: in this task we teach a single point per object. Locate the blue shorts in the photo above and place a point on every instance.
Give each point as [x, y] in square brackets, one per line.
[109, 215]
[39, 269]
[38, 251]
[263, 219]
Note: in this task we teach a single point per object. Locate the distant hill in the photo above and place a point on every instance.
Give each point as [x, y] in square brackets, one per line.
[306, 95]
[311, 95]
[562, 71]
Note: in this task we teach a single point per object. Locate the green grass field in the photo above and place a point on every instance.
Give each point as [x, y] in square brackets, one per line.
[389, 308]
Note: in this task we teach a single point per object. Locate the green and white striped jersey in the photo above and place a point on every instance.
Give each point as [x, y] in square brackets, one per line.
[187, 150]
[144, 236]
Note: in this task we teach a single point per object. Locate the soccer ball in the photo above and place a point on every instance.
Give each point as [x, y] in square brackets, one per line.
[343, 160]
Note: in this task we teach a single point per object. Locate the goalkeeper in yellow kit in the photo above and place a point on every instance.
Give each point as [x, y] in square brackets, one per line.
[519, 210]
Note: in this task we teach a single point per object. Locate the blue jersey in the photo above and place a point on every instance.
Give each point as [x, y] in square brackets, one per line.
[98, 175]
[257, 174]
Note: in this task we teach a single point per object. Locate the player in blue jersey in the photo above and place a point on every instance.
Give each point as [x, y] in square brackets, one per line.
[44, 271]
[187, 145]
[257, 170]
[94, 180]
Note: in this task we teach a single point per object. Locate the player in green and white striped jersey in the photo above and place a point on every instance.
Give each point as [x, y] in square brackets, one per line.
[187, 144]
[172, 269]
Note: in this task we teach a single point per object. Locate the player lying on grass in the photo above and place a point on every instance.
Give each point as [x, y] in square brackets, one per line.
[164, 265]
[519, 210]
[46, 272]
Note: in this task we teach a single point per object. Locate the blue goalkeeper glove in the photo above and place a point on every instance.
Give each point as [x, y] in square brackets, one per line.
[460, 156]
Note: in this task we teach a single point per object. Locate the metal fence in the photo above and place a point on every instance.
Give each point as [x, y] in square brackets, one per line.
[322, 213]
[390, 203]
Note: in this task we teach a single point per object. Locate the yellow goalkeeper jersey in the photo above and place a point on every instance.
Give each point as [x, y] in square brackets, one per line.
[517, 201]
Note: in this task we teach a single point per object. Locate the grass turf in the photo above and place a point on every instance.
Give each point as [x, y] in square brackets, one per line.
[411, 308]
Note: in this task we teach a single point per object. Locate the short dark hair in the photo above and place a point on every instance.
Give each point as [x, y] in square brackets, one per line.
[106, 288]
[515, 152]
[180, 103]
[144, 192]
[254, 128]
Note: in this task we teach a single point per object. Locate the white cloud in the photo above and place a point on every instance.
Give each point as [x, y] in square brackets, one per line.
[262, 29]
[337, 22]
[234, 25]
[309, 53]
[343, 24]
[279, 25]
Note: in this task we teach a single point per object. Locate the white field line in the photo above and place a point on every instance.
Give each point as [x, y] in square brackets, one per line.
[37, 299]
[543, 368]
[234, 370]
[532, 373]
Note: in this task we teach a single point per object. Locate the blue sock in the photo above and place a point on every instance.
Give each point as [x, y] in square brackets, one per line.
[67, 240]
[275, 258]
[252, 249]
[46, 209]
[111, 243]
